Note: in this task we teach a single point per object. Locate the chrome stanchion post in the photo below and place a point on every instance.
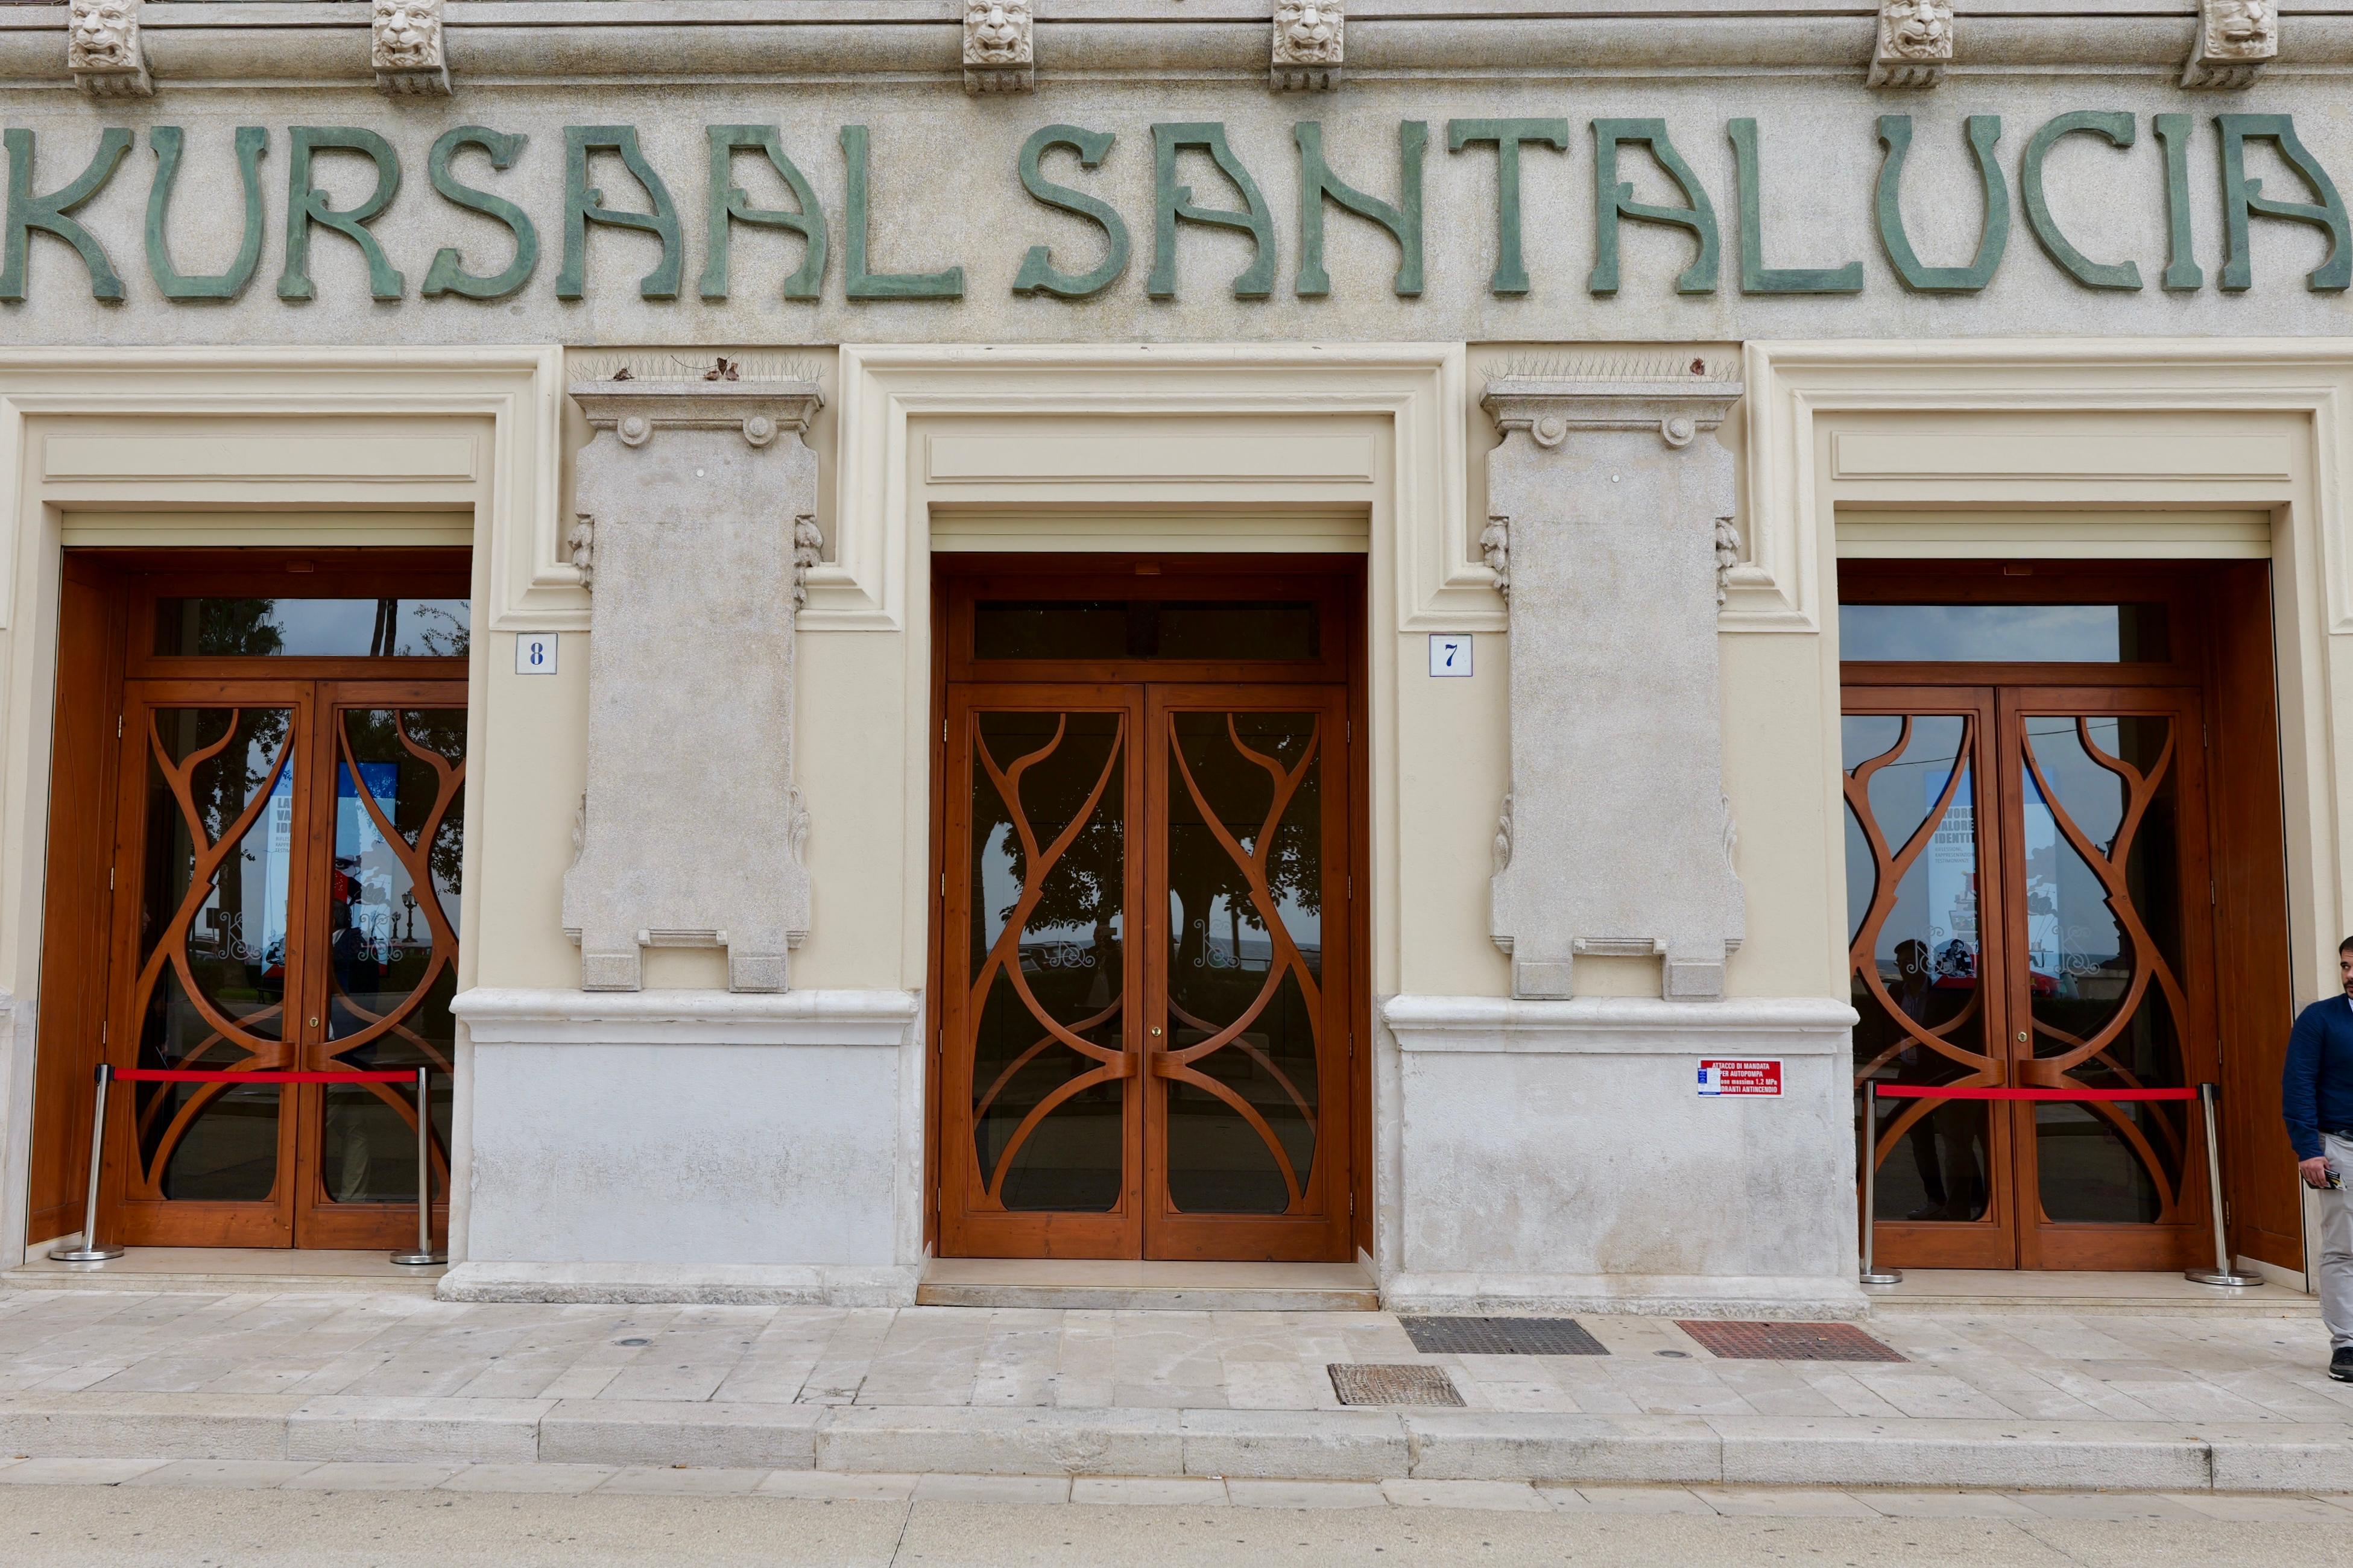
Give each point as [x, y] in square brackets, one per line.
[1872, 1273]
[2222, 1273]
[89, 1251]
[425, 1252]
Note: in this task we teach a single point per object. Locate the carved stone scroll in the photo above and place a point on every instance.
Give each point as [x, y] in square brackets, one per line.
[410, 56]
[103, 49]
[703, 497]
[1915, 42]
[1308, 46]
[1614, 841]
[999, 50]
[2235, 40]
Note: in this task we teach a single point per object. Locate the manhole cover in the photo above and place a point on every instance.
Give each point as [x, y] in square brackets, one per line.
[1502, 1336]
[1359, 1383]
[1789, 1342]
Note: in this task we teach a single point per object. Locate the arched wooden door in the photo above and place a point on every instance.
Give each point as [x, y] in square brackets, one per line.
[1149, 960]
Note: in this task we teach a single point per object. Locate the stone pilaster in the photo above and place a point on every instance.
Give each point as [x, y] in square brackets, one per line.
[697, 500]
[1616, 837]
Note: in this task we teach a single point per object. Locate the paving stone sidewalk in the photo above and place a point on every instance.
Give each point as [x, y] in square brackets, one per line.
[2152, 1402]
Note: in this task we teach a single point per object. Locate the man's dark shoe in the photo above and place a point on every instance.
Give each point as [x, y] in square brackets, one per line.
[2340, 1365]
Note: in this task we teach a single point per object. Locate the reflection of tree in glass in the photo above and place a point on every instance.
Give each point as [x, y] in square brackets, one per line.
[1086, 886]
[1239, 790]
[237, 627]
[441, 630]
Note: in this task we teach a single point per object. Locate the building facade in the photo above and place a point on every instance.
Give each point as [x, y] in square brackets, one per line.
[1183, 630]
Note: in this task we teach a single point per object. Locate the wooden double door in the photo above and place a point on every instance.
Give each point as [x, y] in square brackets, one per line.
[1148, 952]
[288, 763]
[2036, 860]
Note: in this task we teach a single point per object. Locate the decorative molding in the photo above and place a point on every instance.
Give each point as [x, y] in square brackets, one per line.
[1495, 549]
[1915, 42]
[580, 548]
[410, 49]
[515, 1016]
[1547, 408]
[1502, 855]
[1621, 1025]
[1727, 556]
[808, 552]
[760, 411]
[1803, 394]
[1308, 46]
[2235, 40]
[103, 49]
[1412, 483]
[999, 47]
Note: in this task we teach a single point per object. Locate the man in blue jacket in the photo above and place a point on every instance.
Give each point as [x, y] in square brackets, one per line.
[2317, 1098]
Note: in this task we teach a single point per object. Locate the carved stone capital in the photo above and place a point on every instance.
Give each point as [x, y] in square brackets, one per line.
[103, 49]
[1308, 46]
[758, 410]
[1614, 842]
[999, 50]
[698, 502]
[409, 52]
[2235, 40]
[1915, 42]
[1546, 409]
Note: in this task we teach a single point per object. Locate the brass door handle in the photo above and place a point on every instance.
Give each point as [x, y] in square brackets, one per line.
[1155, 1031]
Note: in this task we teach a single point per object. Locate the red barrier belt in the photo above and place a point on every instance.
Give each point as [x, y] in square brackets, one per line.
[182, 1075]
[1924, 1091]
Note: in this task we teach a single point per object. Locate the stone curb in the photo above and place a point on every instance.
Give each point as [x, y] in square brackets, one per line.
[1287, 1444]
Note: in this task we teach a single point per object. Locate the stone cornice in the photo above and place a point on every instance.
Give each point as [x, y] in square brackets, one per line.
[635, 410]
[195, 42]
[1548, 408]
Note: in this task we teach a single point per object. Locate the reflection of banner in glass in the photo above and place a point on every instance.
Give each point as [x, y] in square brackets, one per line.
[354, 825]
[2045, 925]
[1952, 861]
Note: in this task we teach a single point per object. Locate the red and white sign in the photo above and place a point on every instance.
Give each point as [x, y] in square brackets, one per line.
[1724, 1076]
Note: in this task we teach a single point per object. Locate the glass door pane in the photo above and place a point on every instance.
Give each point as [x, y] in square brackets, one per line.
[1244, 951]
[1044, 943]
[1924, 943]
[217, 893]
[2103, 847]
[390, 938]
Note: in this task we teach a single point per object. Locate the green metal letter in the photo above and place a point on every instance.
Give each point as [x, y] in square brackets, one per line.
[1983, 132]
[1756, 277]
[2117, 127]
[1038, 275]
[584, 204]
[2181, 268]
[1171, 201]
[1614, 201]
[2242, 195]
[1317, 183]
[306, 206]
[252, 142]
[1511, 276]
[945, 284]
[28, 212]
[449, 273]
[730, 204]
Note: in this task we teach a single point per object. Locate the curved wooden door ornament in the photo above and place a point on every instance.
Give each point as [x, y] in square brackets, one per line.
[1287, 959]
[2148, 963]
[1005, 955]
[1889, 867]
[449, 782]
[170, 951]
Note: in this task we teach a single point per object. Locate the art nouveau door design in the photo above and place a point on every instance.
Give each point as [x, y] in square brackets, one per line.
[2028, 893]
[292, 851]
[1147, 973]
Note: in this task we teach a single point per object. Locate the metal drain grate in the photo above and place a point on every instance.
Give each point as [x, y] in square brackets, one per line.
[1502, 1336]
[1361, 1384]
[1789, 1342]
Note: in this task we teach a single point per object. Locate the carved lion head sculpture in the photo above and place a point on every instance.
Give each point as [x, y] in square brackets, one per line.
[406, 32]
[2241, 24]
[1919, 29]
[102, 33]
[1308, 31]
[997, 30]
